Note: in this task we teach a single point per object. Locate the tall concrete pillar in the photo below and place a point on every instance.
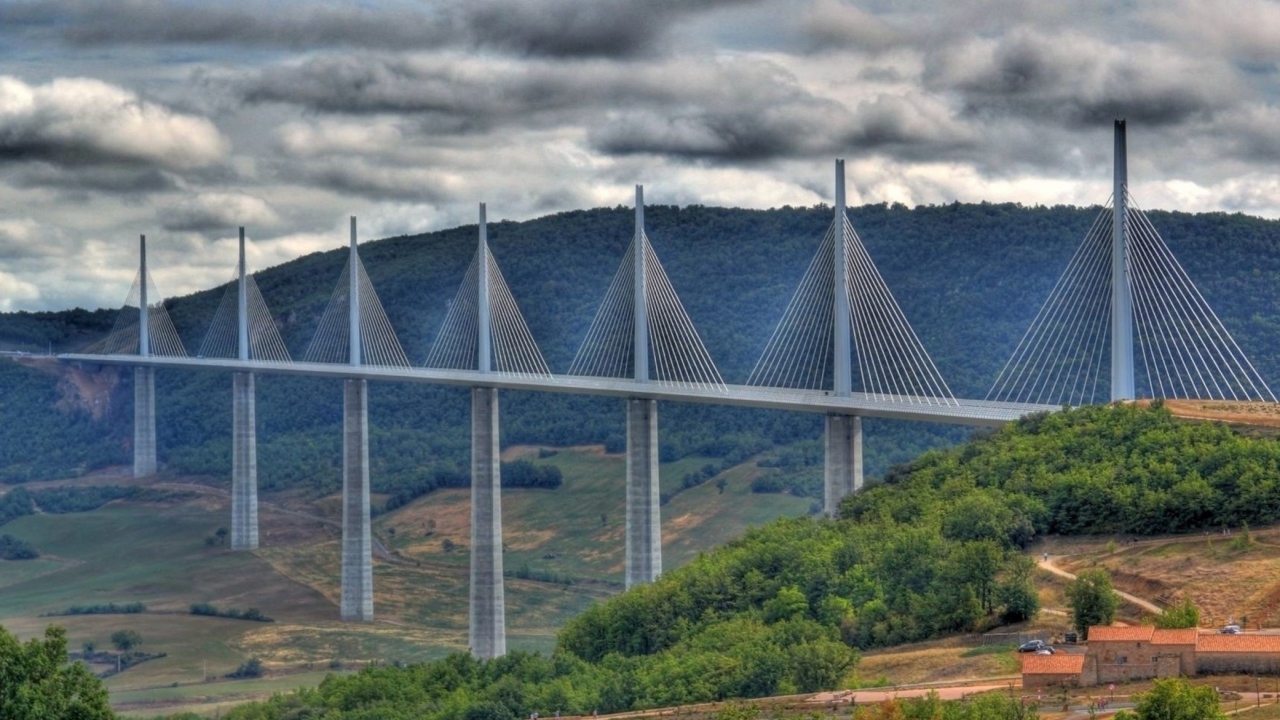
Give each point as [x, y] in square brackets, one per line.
[244, 434]
[357, 544]
[488, 625]
[1122, 382]
[244, 464]
[144, 381]
[842, 470]
[144, 421]
[644, 524]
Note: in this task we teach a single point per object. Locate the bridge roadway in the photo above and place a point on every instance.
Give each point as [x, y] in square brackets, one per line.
[959, 412]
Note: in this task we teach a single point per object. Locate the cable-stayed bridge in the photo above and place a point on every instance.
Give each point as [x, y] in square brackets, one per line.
[843, 347]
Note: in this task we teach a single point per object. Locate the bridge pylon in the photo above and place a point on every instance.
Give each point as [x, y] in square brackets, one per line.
[1123, 287]
[1122, 370]
[644, 518]
[842, 446]
[487, 627]
[357, 540]
[144, 382]
[244, 435]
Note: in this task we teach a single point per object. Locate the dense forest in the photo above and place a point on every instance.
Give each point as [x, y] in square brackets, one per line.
[968, 277]
[934, 550]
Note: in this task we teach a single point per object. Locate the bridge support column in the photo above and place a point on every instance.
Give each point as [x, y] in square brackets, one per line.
[842, 470]
[144, 422]
[357, 546]
[488, 626]
[244, 464]
[644, 523]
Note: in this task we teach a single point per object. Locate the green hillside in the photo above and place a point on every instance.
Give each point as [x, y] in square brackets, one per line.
[935, 550]
[969, 278]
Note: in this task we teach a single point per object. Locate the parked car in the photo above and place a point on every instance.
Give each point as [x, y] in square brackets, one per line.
[1045, 650]
[1031, 646]
[1230, 630]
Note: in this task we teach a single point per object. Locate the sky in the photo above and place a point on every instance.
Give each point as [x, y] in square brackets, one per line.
[183, 120]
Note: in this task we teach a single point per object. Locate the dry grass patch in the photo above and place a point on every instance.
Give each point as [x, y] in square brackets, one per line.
[934, 662]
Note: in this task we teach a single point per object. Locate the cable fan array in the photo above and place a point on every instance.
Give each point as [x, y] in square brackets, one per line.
[676, 351]
[124, 336]
[223, 338]
[892, 363]
[378, 342]
[1059, 359]
[1185, 349]
[513, 348]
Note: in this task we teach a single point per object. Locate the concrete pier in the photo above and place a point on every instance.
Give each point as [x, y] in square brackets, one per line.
[144, 421]
[488, 633]
[842, 470]
[357, 545]
[644, 524]
[244, 464]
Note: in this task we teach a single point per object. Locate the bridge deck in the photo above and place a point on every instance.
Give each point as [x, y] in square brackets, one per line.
[962, 412]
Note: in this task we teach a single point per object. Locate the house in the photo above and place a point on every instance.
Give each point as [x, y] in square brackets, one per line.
[1044, 670]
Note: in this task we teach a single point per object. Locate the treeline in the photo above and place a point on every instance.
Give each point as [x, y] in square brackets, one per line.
[12, 548]
[515, 474]
[1104, 469]
[132, 608]
[211, 610]
[15, 504]
[61, 500]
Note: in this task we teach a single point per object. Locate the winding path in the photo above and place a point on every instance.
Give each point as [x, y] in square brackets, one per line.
[1048, 566]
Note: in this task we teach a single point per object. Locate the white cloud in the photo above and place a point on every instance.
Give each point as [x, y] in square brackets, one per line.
[81, 121]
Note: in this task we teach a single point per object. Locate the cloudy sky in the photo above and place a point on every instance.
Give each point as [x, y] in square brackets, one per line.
[183, 119]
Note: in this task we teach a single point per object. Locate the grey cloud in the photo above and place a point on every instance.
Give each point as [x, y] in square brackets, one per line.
[571, 28]
[1081, 82]
[839, 24]
[373, 181]
[157, 22]
[751, 135]
[555, 28]
[746, 109]
[119, 179]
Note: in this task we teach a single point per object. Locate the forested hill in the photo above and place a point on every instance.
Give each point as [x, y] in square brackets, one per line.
[968, 277]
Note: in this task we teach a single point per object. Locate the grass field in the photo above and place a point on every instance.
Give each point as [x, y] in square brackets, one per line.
[577, 530]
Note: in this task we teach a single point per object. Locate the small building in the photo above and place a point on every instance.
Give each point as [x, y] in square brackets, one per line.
[1047, 670]
[1243, 653]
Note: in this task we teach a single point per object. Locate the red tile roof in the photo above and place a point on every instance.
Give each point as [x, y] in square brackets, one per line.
[1186, 636]
[1105, 633]
[1056, 664]
[1244, 643]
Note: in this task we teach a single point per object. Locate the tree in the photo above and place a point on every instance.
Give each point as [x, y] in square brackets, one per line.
[1092, 600]
[37, 682]
[1183, 615]
[1177, 699]
[1017, 593]
[721, 484]
[125, 640]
